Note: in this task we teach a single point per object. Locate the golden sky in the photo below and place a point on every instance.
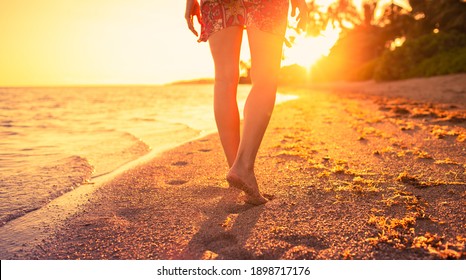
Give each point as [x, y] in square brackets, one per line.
[49, 42]
[73, 42]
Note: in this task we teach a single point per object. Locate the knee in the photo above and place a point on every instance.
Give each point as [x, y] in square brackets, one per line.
[264, 81]
[227, 77]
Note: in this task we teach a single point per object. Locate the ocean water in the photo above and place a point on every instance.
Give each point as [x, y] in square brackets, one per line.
[53, 140]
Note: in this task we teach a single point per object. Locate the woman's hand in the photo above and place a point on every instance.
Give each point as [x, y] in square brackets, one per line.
[192, 10]
[303, 16]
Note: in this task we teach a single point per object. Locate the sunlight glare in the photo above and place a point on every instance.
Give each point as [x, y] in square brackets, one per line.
[306, 50]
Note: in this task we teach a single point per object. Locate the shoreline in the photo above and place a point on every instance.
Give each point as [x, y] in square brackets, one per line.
[16, 236]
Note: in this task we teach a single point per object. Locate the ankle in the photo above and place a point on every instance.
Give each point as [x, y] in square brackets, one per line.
[243, 165]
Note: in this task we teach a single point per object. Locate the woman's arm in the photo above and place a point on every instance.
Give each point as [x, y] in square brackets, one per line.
[192, 10]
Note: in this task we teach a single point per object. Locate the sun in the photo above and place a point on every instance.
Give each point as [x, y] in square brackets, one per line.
[306, 50]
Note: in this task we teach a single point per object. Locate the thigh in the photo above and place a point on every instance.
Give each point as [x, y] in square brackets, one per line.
[225, 46]
[266, 53]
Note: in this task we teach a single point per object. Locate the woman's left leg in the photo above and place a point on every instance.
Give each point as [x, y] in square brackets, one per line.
[225, 46]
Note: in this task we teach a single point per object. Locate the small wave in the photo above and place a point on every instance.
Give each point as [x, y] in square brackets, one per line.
[8, 133]
[41, 185]
[282, 97]
[143, 119]
[108, 153]
[6, 123]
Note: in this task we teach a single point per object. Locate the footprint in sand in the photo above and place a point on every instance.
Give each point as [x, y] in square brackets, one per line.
[176, 182]
[238, 208]
[220, 241]
[180, 163]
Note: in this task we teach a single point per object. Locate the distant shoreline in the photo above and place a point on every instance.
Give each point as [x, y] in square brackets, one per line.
[193, 82]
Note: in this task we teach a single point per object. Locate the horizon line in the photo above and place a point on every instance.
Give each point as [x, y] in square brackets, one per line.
[195, 80]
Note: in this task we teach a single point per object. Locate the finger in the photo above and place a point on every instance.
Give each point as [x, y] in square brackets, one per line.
[193, 31]
[191, 26]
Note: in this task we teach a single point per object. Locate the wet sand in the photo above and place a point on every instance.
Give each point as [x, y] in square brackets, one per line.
[355, 173]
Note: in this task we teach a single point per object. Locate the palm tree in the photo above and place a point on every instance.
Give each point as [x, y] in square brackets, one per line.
[363, 39]
[445, 15]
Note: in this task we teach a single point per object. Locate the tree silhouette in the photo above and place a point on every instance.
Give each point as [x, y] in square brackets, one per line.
[365, 37]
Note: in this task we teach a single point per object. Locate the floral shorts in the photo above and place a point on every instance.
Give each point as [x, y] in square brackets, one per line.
[266, 15]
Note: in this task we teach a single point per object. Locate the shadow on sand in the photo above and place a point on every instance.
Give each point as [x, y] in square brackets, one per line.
[224, 234]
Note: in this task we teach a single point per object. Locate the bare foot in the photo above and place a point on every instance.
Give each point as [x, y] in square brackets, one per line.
[251, 200]
[248, 184]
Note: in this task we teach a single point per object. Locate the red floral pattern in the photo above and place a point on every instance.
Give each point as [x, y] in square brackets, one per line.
[267, 15]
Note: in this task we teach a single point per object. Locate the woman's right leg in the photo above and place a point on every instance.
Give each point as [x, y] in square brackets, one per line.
[266, 50]
[225, 46]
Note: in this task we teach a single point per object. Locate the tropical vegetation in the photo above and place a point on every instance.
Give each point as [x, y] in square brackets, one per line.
[432, 33]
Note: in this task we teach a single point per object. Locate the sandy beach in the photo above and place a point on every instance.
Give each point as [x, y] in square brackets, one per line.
[353, 170]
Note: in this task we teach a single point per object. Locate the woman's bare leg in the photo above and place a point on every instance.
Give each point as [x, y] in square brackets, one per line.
[266, 50]
[225, 46]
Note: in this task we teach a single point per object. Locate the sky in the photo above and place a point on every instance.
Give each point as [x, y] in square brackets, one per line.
[76, 42]
[49, 42]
